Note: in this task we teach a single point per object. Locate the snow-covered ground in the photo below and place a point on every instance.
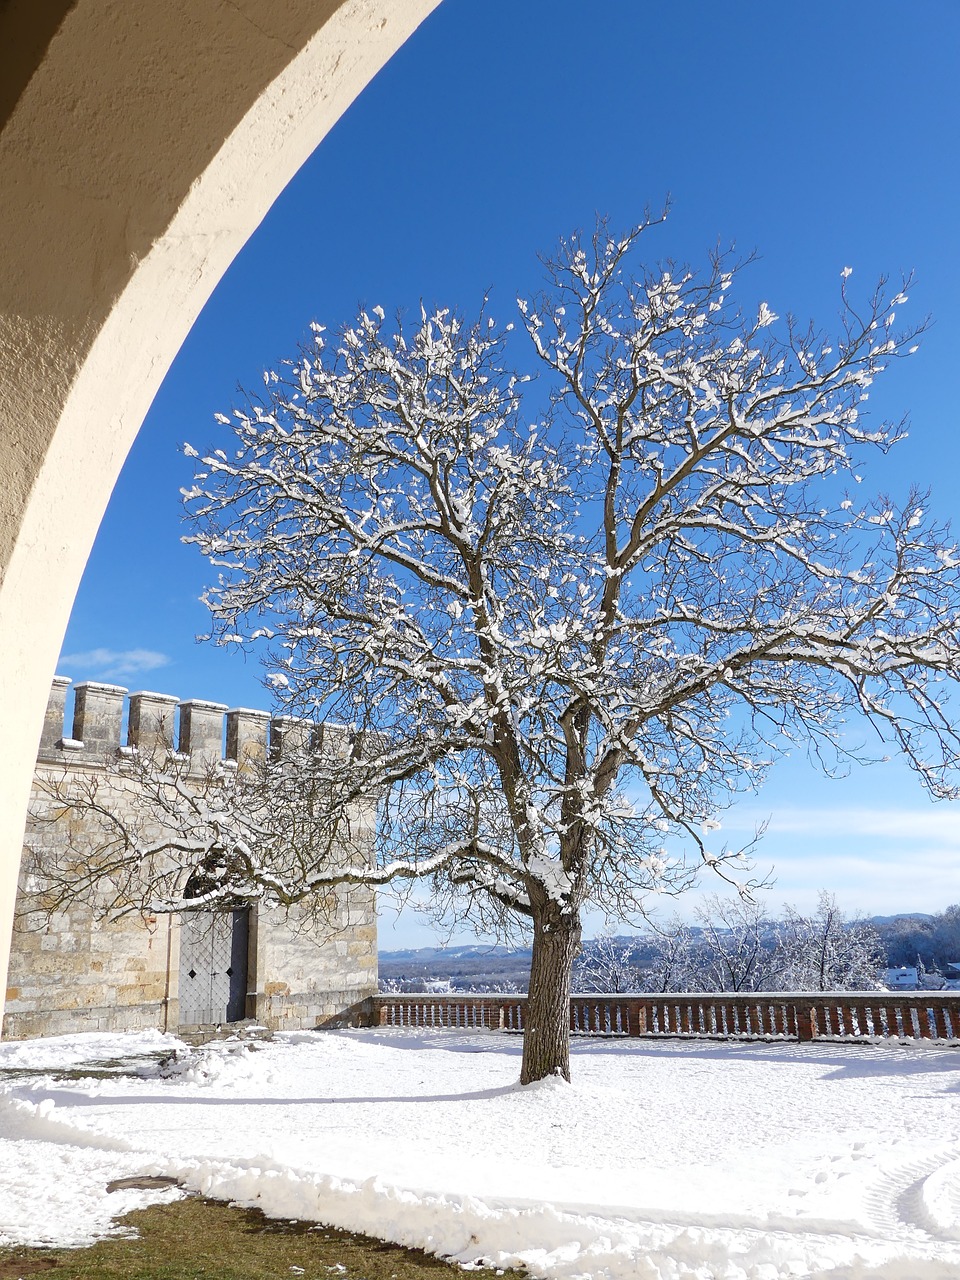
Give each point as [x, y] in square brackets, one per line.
[708, 1160]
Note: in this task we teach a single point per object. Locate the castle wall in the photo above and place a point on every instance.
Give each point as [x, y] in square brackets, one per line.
[310, 979]
[71, 970]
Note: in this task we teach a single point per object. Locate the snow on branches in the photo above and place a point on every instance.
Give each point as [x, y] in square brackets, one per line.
[735, 946]
[160, 832]
[573, 630]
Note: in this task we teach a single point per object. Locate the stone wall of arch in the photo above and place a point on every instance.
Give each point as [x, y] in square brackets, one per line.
[140, 147]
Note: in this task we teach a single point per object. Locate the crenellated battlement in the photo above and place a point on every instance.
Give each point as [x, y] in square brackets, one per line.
[204, 731]
[73, 969]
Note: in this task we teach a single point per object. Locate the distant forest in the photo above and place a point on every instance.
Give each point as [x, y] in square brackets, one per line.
[934, 939]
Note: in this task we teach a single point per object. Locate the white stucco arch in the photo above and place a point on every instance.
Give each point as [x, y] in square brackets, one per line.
[146, 146]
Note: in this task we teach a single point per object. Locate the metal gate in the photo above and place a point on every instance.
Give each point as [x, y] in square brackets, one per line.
[213, 966]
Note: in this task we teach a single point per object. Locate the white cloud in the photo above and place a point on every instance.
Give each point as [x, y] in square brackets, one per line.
[879, 860]
[940, 822]
[113, 662]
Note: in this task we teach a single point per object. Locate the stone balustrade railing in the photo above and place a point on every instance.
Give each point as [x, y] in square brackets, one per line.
[836, 1016]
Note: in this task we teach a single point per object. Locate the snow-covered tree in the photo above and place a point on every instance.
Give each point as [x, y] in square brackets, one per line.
[607, 964]
[564, 634]
[733, 951]
[827, 952]
[737, 946]
[671, 965]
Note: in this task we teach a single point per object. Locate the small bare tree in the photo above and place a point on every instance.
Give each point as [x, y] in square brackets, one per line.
[826, 952]
[735, 948]
[569, 620]
[672, 963]
[607, 964]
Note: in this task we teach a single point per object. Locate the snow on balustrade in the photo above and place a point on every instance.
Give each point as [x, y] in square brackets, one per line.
[835, 1016]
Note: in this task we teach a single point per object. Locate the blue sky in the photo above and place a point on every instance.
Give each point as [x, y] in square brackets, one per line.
[821, 135]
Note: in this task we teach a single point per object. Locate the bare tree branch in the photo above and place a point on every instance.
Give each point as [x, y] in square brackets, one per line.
[569, 635]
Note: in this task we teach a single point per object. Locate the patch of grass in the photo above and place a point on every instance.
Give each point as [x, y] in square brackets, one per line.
[197, 1239]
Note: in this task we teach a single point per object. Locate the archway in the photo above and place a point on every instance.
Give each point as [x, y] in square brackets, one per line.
[140, 148]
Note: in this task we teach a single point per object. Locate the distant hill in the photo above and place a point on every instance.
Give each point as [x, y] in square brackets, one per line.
[934, 937]
[424, 955]
[464, 966]
[904, 915]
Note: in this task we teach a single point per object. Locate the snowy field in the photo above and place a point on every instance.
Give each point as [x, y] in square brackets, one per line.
[716, 1161]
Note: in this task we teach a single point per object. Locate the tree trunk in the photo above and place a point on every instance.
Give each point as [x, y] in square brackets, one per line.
[546, 1034]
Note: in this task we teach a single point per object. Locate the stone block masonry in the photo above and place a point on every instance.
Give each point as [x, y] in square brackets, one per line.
[74, 970]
